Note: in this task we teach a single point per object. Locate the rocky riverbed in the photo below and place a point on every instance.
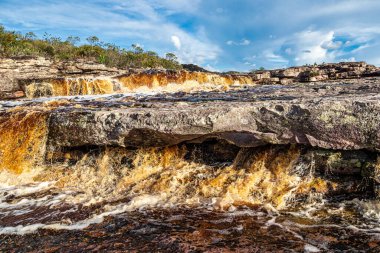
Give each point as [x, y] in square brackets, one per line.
[271, 160]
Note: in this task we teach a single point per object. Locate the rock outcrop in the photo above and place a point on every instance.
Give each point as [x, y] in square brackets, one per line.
[340, 116]
[334, 124]
[35, 77]
[16, 73]
[345, 118]
[314, 73]
[40, 77]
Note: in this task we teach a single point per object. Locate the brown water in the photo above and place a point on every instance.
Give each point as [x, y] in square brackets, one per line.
[138, 82]
[161, 200]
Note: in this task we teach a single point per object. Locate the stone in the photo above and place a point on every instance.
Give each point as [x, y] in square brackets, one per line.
[286, 81]
[16, 74]
[342, 116]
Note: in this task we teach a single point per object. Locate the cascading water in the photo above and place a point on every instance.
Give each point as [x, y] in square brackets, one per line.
[190, 196]
[139, 82]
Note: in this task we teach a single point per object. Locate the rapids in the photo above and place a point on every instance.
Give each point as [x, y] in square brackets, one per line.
[137, 82]
[181, 202]
[189, 197]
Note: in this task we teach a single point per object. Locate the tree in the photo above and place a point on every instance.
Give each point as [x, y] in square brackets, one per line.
[171, 57]
[16, 44]
[73, 40]
[151, 53]
[137, 48]
[30, 36]
[93, 40]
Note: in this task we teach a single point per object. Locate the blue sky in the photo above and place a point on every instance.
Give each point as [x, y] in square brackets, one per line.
[217, 34]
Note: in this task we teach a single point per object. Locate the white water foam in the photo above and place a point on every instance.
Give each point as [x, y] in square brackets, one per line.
[137, 203]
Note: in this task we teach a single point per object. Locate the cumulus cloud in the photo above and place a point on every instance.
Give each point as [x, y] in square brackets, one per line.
[317, 46]
[311, 46]
[332, 44]
[195, 51]
[176, 42]
[211, 68]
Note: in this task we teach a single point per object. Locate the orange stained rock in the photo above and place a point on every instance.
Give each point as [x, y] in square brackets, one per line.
[22, 140]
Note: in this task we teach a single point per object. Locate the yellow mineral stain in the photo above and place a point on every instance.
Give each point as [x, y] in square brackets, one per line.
[318, 185]
[22, 139]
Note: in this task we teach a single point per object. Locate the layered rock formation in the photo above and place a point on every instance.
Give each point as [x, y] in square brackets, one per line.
[333, 124]
[40, 77]
[314, 73]
[17, 73]
[36, 77]
[344, 116]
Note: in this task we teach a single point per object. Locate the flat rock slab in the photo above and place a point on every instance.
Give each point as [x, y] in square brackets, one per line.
[342, 116]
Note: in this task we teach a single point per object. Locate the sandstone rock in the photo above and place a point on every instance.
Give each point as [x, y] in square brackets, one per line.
[17, 73]
[286, 81]
[342, 116]
[290, 72]
[259, 75]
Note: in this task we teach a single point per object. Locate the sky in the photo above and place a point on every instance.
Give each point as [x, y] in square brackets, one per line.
[219, 35]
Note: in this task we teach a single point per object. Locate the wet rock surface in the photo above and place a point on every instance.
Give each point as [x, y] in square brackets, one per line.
[345, 116]
[196, 230]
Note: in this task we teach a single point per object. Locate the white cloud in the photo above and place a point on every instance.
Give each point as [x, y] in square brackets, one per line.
[176, 42]
[272, 57]
[243, 42]
[351, 59]
[176, 6]
[195, 51]
[312, 46]
[132, 21]
[332, 44]
[250, 64]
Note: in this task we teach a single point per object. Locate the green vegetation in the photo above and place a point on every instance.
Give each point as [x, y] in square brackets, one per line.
[255, 70]
[314, 73]
[14, 44]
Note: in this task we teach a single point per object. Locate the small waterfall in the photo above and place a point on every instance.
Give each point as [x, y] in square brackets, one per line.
[137, 82]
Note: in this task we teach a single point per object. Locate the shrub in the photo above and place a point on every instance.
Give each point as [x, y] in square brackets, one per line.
[14, 44]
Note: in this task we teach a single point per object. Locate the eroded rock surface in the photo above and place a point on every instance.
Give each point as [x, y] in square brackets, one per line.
[40, 77]
[333, 121]
[340, 116]
[16, 73]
